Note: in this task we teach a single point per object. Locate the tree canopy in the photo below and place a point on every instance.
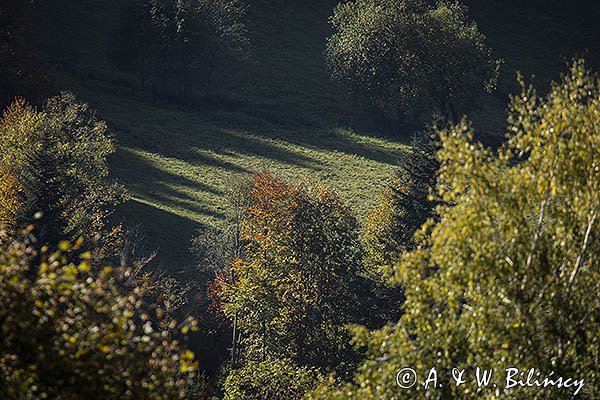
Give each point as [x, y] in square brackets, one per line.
[509, 277]
[69, 333]
[299, 280]
[56, 159]
[410, 59]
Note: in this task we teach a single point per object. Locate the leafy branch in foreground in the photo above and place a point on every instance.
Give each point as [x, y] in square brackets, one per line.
[67, 332]
[510, 275]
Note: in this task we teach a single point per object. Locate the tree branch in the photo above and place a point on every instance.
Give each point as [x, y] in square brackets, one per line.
[591, 220]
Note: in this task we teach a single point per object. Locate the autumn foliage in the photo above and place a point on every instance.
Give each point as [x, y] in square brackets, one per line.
[69, 333]
[299, 282]
[10, 202]
[58, 155]
[509, 276]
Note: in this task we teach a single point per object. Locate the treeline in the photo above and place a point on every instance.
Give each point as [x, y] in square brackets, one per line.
[489, 258]
[178, 47]
[472, 257]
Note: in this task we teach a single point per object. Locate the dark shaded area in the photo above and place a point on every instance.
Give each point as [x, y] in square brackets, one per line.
[160, 227]
[22, 73]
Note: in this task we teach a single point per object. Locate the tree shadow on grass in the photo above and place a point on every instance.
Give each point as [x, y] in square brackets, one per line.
[153, 184]
[165, 232]
[347, 142]
[194, 139]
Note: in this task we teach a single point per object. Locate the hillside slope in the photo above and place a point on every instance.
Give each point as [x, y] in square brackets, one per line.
[281, 112]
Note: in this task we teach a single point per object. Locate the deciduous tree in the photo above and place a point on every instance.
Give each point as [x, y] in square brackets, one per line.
[509, 276]
[409, 58]
[58, 156]
[300, 279]
[68, 333]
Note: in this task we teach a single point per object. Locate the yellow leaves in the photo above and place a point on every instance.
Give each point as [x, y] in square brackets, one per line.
[189, 327]
[187, 355]
[43, 268]
[80, 353]
[64, 245]
[78, 243]
[93, 323]
[107, 271]
[553, 187]
[10, 190]
[186, 362]
[104, 348]
[70, 272]
[84, 267]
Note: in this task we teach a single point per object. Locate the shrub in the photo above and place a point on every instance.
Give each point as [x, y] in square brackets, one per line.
[69, 333]
[270, 380]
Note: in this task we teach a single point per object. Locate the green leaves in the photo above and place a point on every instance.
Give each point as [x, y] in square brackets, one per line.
[509, 276]
[410, 59]
[66, 333]
[299, 281]
[56, 158]
[273, 380]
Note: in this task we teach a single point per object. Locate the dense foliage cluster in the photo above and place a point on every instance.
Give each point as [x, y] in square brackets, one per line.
[299, 281]
[273, 380]
[410, 59]
[405, 205]
[55, 162]
[10, 192]
[509, 277]
[180, 45]
[69, 333]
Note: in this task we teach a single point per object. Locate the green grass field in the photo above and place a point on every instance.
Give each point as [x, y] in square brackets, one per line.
[280, 113]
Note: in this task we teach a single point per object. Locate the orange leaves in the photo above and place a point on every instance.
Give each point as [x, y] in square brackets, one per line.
[301, 257]
[271, 209]
[16, 110]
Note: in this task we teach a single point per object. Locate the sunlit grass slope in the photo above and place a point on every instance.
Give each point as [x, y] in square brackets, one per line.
[281, 112]
[178, 164]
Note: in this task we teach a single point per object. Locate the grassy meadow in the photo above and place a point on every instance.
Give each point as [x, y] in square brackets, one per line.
[279, 111]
